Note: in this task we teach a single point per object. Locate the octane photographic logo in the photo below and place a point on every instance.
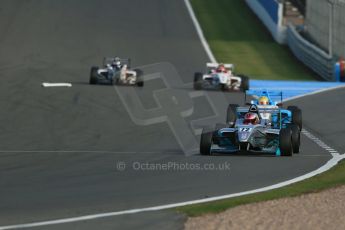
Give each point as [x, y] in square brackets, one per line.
[175, 104]
[121, 166]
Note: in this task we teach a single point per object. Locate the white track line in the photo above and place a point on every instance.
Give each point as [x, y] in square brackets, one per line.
[320, 143]
[199, 31]
[47, 84]
[336, 157]
[315, 92]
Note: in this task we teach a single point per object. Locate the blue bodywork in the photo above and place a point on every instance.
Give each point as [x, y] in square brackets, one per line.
[275, 99]
[292, 88]
[273, 96]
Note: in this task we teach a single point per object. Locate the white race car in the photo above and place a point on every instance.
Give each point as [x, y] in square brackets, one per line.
[220, 76]
[116, 71]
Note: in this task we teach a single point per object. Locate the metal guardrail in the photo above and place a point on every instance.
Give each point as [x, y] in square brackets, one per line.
[312, 56]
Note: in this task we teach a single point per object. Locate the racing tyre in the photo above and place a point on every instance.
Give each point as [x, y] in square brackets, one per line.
[198, 81]
[93, 75]
[244, 83]
[231, 114]
[224, 87]
[140, 77]
[140, 83]
[285, 142]
[297, 117]
[206, 141]
[295, 138]
[292, 107]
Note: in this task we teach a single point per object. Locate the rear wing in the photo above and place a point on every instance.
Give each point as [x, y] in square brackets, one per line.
[215, 65]
[110, 60]
[267, 109]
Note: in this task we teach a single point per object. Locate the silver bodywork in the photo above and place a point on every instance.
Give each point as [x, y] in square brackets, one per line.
[121, 76]
[257, 138]
[116, 71]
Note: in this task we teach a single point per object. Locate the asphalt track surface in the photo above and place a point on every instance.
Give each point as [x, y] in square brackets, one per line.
[60, 146]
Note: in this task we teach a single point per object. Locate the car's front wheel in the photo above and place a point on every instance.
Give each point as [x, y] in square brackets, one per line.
[285, 142]
[244, 83]
[197, 81]
[140, 77]
[93, 75]
[295, 138]
[206, 141]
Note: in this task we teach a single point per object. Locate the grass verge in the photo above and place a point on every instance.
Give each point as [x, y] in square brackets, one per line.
[237, 36]
[333, 177]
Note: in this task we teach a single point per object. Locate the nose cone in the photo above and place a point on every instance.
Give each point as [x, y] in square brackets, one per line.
[222, 78]
[243, 136]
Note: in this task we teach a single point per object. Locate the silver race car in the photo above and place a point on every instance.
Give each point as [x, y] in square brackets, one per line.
[116, 71]
[220, 76]
[251, 133]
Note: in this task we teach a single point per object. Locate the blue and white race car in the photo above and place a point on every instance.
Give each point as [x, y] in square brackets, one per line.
[268, 102]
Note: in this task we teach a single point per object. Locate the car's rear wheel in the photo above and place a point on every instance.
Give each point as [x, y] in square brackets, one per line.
[198, 81]
[231, 114]
[224, 87]
[93, 75]
[296, 116]
[285, 142]
[206, 141]
[244, 83]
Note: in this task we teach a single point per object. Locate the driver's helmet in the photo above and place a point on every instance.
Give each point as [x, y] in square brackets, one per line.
[117, 63]
[263, 100]
[221, 68]
[251, 118]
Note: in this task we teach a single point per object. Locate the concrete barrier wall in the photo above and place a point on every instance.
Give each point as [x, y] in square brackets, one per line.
[271, 7]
